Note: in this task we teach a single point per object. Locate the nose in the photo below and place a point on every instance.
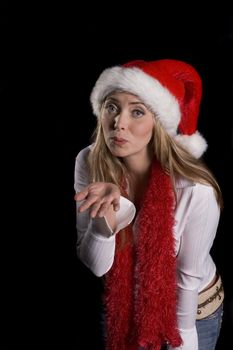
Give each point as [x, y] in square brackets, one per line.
[121, 121]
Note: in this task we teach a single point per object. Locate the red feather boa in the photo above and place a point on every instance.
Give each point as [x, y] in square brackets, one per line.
[140, 294]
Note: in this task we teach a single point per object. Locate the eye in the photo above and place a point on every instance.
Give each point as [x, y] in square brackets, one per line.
[111, 108]
[137, 113]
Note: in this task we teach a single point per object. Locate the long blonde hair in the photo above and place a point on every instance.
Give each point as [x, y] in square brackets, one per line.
[174, 159]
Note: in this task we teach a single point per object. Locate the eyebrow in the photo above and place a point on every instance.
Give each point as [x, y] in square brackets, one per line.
[131, 103]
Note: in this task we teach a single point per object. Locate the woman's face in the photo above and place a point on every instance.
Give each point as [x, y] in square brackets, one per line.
[127, 125]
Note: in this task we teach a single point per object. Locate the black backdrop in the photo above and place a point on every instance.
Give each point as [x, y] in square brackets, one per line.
[209, 47]
[51, 300]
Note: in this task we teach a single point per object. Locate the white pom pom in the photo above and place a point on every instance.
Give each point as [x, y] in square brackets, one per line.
[194, 144]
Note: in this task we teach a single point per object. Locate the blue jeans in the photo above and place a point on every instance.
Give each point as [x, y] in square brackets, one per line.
[208, 330]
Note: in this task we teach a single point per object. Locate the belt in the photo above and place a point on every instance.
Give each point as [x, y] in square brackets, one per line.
[210, 299]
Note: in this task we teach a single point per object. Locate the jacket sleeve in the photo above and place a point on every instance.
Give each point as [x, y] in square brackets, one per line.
[194, 260]
[95, 239]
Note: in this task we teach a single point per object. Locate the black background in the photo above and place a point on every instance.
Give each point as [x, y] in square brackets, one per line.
[49, 298]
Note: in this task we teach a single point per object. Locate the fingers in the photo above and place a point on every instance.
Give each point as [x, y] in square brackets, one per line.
[91, 202]
[98, 198]
[103, 209]
[99, 209]
[79, 196]
[116, 204]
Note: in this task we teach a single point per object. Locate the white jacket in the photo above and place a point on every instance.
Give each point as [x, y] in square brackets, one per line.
[196, 222]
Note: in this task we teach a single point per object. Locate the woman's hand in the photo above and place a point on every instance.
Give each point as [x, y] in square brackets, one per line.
[100, 198]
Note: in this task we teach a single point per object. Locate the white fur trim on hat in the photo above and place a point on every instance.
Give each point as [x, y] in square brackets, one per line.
[194, 144]
[149, 90]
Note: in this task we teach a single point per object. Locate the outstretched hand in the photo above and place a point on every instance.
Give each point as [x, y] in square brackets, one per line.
[99, 197]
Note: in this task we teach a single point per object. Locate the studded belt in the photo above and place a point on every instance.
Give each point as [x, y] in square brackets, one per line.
[210, 299]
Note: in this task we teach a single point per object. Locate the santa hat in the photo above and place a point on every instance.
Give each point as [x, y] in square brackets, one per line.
[171, 89]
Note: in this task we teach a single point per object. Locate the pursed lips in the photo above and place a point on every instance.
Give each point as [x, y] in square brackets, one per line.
[118, 140]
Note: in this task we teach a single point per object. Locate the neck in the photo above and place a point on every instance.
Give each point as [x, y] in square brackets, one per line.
[138, 167]
[137, 182]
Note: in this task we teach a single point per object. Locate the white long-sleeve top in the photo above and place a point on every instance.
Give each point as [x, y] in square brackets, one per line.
[196, 222]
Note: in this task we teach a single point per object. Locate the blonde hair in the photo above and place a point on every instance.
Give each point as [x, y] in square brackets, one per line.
[174, 159]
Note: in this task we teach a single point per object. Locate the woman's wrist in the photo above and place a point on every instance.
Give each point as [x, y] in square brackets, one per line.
[110, 216]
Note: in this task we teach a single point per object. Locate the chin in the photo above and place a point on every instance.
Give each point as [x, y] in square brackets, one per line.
[116, 152]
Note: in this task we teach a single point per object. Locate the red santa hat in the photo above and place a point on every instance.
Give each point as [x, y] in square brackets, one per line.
[172, 89]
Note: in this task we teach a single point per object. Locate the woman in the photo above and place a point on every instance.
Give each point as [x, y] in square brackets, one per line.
[148, 209]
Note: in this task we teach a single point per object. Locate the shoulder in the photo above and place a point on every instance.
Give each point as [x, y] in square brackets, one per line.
[81, 160]
[198, 192]
[81, 172]
[83, 154]
[182, 182]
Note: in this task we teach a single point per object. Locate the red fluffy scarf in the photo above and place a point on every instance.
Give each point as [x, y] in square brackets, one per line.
[140, 289]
